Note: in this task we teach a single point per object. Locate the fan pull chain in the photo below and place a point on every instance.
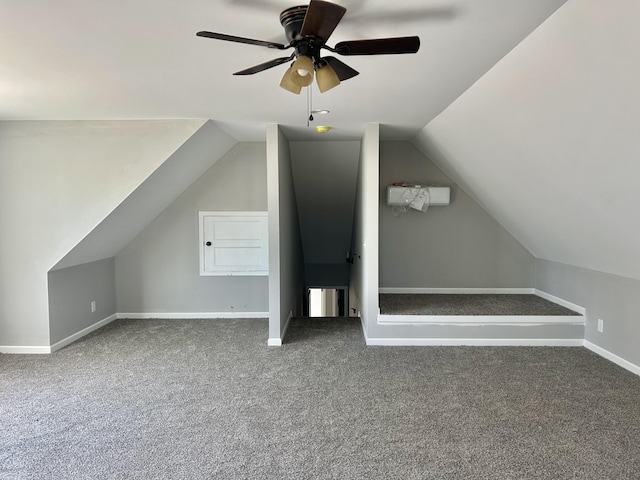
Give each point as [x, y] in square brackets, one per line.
[309, 105]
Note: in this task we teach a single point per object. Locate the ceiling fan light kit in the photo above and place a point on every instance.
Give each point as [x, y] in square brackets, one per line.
[307, 28]
[302, 71]
[327, 78]
[288, 84]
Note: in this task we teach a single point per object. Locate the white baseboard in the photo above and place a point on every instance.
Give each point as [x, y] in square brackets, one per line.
[85, 331]
[277, 342]
[286, 324]
[418, 290]
[633, 368]
[189, 315]
[560, 301]
[476, 342]
[480, 320]
[24, 349]
[362, 324]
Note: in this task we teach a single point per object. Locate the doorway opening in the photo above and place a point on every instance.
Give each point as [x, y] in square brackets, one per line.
[327, 302]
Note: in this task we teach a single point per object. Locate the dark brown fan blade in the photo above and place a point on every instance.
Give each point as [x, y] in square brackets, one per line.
[344, 71]
[233, 38]
[321, 19]
[264, 66]
[379, 46]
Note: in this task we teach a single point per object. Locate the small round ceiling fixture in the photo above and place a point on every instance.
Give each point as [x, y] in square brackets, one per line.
[322, 128]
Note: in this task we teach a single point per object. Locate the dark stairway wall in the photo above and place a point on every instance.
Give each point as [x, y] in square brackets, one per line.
[325, 175]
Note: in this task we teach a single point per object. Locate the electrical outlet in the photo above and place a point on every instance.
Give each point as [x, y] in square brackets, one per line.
[93, 306]
[600, 325]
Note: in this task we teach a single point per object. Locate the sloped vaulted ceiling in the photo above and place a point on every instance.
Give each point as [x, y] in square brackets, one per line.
[547, 141]
[91, 59]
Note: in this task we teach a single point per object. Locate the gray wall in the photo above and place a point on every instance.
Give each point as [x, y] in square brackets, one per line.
[158, 272]
[614, 299]
[325, 175]
[71, 291]
[456, 246]
[286, 263]
[58, 180]
[328, 274]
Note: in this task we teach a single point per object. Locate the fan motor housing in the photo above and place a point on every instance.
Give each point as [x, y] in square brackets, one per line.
[292, 20]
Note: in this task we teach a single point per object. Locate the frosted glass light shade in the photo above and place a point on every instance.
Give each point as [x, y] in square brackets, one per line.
[302, 71]
[326, 78]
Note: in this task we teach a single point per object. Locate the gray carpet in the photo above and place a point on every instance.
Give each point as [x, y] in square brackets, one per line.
[469, 304]
[202, 399]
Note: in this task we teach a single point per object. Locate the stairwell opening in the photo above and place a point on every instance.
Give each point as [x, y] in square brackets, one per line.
[327, 302]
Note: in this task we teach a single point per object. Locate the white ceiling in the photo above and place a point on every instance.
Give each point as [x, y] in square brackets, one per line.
[91, 59]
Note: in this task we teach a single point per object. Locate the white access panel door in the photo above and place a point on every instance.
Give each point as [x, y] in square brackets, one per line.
[234, 243]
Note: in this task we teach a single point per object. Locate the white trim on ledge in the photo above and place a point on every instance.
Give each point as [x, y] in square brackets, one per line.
[480, 320]
[560, 301]
[192, 315]
[633, 368]
[476, 342]
[85, 331]
[509, 291]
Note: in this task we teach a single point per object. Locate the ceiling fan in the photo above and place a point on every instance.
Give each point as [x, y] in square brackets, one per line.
[307, 29]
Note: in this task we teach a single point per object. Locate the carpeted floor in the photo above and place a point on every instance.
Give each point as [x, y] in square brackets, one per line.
[469, 304]
[203, 399]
